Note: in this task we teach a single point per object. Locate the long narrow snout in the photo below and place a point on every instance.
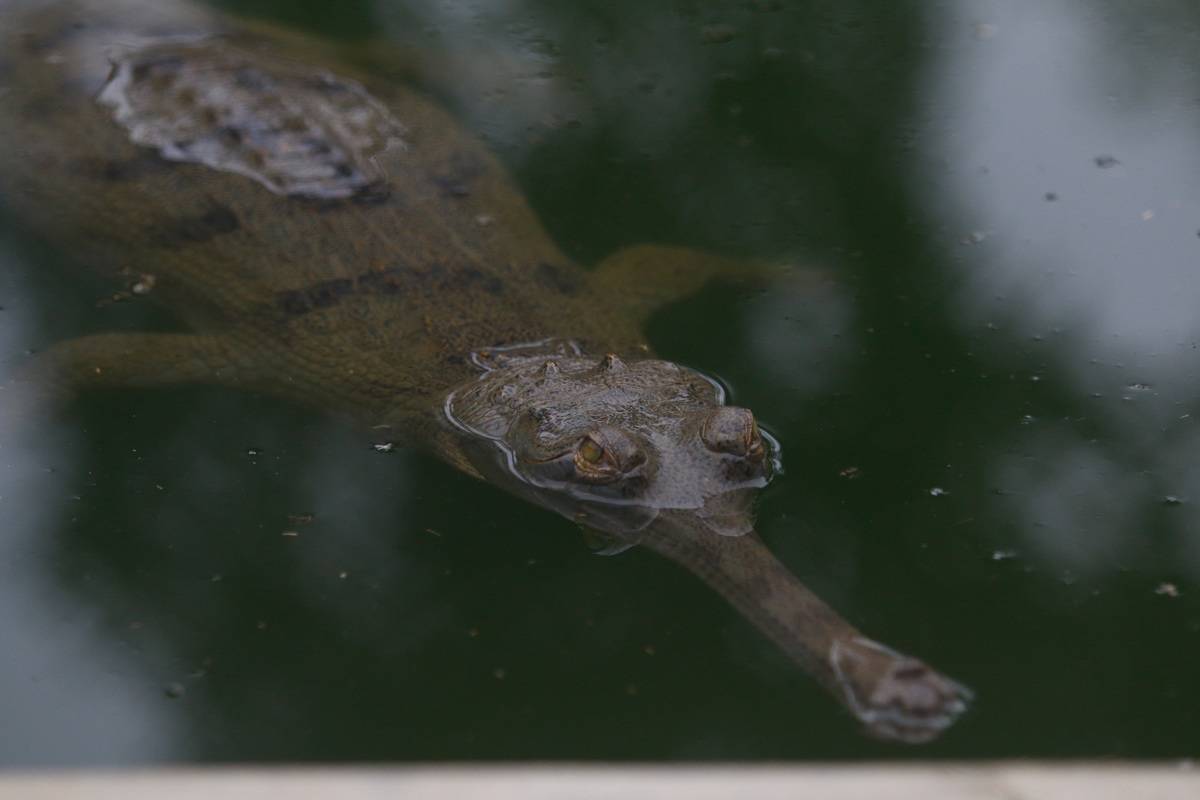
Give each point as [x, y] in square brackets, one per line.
[894, 696]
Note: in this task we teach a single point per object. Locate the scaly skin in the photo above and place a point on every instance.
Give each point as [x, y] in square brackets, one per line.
[395, 291]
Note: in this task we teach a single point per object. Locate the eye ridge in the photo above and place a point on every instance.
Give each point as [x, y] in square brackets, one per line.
[734, 431]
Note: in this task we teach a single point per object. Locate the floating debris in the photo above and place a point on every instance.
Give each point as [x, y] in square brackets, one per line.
[304, 518]
[1167, 590]
[1172, 500]
[1105, 161]
[343, 575]
[850, 473]
[115, 297]
[937, 491]
[1148, 215]
[144, 284]
[1004, 555]
[384, 447]
[718, 34]
[291, 534]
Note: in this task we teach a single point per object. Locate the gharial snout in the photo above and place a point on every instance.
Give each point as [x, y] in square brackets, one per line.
[895, 696]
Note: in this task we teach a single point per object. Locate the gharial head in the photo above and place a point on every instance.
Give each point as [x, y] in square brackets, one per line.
[612, 444]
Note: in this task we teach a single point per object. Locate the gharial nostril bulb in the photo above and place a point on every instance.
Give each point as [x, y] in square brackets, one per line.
[733, 430]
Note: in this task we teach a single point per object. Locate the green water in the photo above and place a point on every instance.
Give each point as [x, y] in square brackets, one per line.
[982, 422]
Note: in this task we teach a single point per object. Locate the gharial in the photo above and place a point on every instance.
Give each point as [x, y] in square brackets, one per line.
[340, 240]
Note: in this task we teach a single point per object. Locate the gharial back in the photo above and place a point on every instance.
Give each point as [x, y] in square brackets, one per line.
[249, 170]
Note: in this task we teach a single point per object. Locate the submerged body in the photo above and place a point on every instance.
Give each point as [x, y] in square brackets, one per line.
[347, 245]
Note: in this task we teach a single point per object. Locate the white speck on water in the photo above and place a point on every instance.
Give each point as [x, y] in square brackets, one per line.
[384, 447]
[974, 237]
[1167, 590]
[937, 491]
[1004, 555]
[1172, 500]
[144, 285]
[1147, 215]
[1028, 419]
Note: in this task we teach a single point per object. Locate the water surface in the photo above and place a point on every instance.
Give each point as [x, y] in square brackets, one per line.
[990, 425]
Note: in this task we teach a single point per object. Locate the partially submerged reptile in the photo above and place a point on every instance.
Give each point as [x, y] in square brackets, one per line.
[341, 241]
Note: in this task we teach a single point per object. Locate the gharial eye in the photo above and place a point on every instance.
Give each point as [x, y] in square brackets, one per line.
[606, 455]
[590, 452]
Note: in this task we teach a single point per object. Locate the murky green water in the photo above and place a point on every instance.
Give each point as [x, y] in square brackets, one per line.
[990, 431]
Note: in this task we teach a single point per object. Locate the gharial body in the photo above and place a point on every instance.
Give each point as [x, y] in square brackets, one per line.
[341, 241]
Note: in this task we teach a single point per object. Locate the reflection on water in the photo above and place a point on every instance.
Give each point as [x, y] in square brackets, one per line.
[1006, 203]
[70, 689]
[1078, 170]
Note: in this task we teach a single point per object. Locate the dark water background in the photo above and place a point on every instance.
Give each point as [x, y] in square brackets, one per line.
[1008, 199]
